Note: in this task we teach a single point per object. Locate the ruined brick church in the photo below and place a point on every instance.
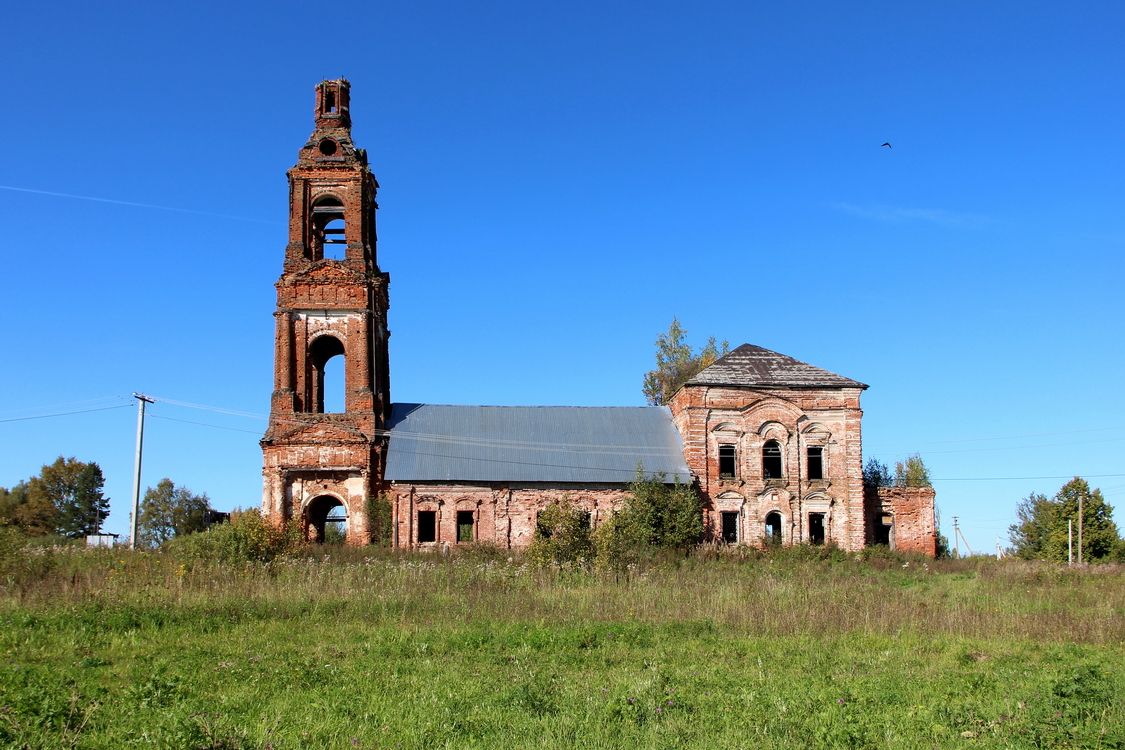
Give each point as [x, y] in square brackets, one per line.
[772, 444]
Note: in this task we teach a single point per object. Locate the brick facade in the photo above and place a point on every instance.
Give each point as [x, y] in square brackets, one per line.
[775, 460]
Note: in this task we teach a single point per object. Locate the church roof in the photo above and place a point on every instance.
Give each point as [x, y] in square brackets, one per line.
[750, 365]
[558, 444]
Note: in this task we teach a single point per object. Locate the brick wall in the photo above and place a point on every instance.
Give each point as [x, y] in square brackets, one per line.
[911, 512]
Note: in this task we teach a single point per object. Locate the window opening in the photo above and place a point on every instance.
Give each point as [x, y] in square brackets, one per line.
[730, 526]
[326, 359]
[816, 528]
[464, 526]
[816, 462]
[326, 520]
[427, 526]
[771, 460]
[327, 147]
[726, 462]
[773, 528]
[329, 102]
[884, 528]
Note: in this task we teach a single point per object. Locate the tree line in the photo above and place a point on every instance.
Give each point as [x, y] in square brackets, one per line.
[67, 499]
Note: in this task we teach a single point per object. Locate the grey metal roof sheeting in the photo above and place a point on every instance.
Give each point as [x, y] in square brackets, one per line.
[751, 365]
[564, 444]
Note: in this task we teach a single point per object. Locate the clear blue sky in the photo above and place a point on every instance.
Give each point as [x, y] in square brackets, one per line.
[558, 182]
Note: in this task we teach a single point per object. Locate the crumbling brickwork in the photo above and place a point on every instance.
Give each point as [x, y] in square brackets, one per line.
[329, 304]
[746, 419]
[504, 515]
[902, 518]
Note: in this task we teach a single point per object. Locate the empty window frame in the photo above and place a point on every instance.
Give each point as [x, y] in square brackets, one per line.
[329, 231]
[816, 528]
[730, 526]
[427, 526]
[465, 526]
[884, 529]
[727, 463]
[771, 460]
[816, 462]
[773, 528]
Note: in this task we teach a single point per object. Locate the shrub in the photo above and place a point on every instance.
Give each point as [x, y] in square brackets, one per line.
[379, 519]
[562, 535]
[248, 537]
[656, 516]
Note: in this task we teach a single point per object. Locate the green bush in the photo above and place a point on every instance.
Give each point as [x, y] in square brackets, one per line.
[562, 536]
[248, 537]
[380, 519]
[656, 516]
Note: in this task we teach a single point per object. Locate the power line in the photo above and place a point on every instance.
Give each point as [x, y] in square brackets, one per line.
[134, 204]
[63, 413]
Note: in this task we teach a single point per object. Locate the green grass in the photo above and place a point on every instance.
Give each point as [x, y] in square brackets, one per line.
[790, 650]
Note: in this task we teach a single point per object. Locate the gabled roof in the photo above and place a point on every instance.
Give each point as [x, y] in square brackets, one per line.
[750, 365]
[561, 444]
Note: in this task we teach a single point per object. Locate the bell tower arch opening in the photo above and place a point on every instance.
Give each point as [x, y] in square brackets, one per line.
[327, 387]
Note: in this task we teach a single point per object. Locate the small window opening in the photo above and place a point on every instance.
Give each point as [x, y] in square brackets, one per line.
[328, 147]
[884, 529]
[730, 526]
[816, 528]
[427, 526]
[464, 526]
[773, 528]
[816, 462]
[329, 102]
[726, 462]
[771, 460]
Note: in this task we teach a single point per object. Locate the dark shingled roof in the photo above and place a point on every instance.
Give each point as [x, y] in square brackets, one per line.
[561, 444]
[750, 365]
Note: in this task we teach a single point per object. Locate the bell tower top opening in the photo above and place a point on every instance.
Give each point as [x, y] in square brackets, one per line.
[333, 100]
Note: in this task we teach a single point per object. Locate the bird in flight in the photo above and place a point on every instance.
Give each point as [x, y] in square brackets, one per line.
[888, 145]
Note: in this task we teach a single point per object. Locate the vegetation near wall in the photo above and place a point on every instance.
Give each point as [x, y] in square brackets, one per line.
[724, 648]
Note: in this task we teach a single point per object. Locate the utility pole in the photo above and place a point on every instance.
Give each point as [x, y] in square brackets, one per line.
[1080, 528]
[956, 533]
[142, 399]
[1070, 541]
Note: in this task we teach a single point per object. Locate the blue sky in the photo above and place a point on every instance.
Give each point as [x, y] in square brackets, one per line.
[558, 182]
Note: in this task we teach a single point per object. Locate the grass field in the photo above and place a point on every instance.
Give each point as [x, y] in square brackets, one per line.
[345, 648]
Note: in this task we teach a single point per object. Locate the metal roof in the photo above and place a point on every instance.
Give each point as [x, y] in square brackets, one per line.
[750, 365]
[562, 444]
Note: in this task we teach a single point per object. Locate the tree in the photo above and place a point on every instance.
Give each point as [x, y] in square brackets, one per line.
[912, 472]
[655, 515]
[168, 511]
[876, 474]
[74, 488]
[562, 535]
[1041, 530]
[675, 363]
[28, 510]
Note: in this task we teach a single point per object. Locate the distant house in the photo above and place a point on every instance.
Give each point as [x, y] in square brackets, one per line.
[773, 444]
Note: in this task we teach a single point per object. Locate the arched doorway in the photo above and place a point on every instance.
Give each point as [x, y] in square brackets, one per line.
[326, 520]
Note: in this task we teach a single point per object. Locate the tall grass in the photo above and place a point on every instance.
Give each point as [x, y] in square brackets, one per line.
[792, 592]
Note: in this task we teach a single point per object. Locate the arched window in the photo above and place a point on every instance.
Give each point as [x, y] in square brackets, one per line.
[326, 520]
[771, 460]
[328, 230]
[326, 382]
[773, 528]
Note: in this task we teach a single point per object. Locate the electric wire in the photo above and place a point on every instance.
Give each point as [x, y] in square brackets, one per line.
[63, 413]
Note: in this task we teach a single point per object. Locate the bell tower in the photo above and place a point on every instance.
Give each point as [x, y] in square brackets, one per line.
[323, 450]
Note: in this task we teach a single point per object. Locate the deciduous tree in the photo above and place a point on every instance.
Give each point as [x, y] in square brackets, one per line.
[75, 489]
[1041, 530]
[876, 474]
[168, 511]
[912, 472]
[28, 510]
[676, 364]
